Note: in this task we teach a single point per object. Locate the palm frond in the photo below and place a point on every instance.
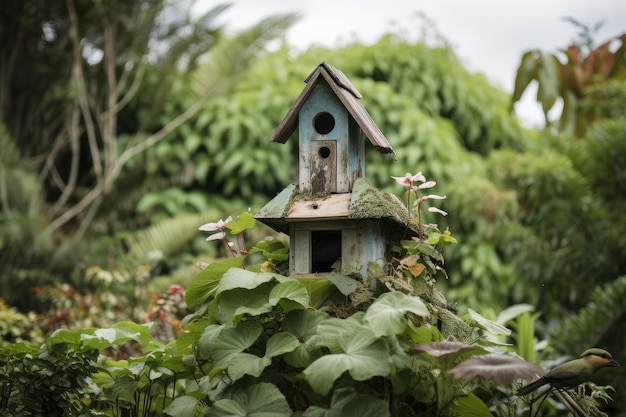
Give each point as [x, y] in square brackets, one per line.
[168, 236]
[592, 323]
[231, 56]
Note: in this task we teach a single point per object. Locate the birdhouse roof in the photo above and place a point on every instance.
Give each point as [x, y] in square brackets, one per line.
[364, 202]
[349, 97]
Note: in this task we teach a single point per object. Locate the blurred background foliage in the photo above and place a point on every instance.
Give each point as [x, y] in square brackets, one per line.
[141, 129]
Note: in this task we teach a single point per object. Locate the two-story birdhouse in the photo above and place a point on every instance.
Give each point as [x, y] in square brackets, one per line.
[336, 220]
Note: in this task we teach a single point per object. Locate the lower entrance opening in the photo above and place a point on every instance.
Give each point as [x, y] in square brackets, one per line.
[325, 249]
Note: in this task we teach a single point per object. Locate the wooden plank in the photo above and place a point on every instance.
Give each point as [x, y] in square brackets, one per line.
[324, 166]
[333, 206]
[302, 252]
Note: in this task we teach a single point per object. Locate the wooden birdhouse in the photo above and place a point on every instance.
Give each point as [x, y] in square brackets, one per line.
[336, 220]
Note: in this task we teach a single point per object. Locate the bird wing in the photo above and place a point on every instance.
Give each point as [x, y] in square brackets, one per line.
[564, 373]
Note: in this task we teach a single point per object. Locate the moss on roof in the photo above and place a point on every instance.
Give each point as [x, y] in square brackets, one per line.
[368, 202]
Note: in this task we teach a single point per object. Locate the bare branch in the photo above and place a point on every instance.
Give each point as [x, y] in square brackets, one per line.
[79, 78]
[119, 164]
[74, 136]
[134, 87]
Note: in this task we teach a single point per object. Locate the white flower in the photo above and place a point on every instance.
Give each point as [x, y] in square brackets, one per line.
[436, 210]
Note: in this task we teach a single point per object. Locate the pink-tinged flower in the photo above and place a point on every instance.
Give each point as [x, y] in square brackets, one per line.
[220, 225]
[429, 197]
[216, 236]
[176, 289]
[427, 184]
[436, 210]
[408, 179]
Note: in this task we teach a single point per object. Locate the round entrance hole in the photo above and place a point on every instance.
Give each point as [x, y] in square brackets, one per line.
[324, 152]
[324, 123]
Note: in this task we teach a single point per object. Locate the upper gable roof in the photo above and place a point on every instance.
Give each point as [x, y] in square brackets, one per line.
[349, 97]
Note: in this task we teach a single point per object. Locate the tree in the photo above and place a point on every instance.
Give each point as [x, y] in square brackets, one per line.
[575, 74]
[87, 124]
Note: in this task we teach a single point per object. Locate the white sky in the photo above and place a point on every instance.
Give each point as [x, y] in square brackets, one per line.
[489, 36]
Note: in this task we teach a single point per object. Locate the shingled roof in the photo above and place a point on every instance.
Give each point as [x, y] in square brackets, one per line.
[349, 97]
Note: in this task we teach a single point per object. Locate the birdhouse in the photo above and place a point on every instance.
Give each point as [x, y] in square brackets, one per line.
[336, 220]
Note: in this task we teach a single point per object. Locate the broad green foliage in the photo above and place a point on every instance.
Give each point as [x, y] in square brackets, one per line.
[205, 283]
[421, 98]
[386, 316]
[346, 402]
[256, 345]
[435, 114]
[16, 327]
[539, 219]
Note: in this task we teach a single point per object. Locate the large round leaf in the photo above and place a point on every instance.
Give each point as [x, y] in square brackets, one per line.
[303, 324]
[184, 406]
[260, 400]
[290, 295]
[242, 278]
[226, 343]
[204, 284]
[387, 315]
[347, 403]
[232, 305]
[365, 356]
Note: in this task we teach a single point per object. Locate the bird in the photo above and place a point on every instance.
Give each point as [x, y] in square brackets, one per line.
[573, 373]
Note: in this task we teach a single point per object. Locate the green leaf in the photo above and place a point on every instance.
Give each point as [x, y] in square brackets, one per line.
[490, 326]
[223, 344]
[347, 403]
[366, 406]
[345, 285]
[242, 278]
[127, 330]
[387, 315]
[549, 81]
[526, 72]
[272, 249]
[244, 222]
[184, 406]
[319, 289]
[280, 343]
[290, 294]
[204, 285]
[470, 406]
[232, 305]
[424, 334]
[303, 324]
[228, 345]
[247, 364]
[106, 334]
[364, 356]
[117, 334]
[512, 312]
[333, 331]
[260, 400]
[436, 238]
[226, 408]
[70, 337]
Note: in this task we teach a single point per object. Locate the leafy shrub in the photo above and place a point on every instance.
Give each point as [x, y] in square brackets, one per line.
[16, 327]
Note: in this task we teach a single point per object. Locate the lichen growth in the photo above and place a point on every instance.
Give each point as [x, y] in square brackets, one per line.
[368, 202]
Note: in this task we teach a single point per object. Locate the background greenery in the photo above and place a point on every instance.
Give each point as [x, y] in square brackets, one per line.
[149, 122]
